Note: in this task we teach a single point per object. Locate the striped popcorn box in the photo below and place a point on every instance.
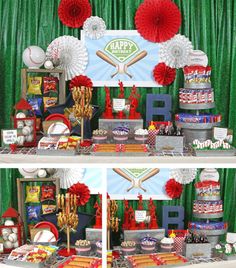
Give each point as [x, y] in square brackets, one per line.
[178, 244]
[152, 137]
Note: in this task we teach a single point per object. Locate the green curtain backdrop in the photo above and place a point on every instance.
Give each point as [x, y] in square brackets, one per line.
[228, 195]
[8, 197]
[8, 192]
[209, 24]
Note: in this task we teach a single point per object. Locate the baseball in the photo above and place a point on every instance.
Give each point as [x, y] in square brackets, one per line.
[9, 223]
[14, 230]
[42, 173]
[20, 124]
[12, 238]
[20, 140]
[5, 237]
[29, 123]
[6, 231]
[33, 57]
[20, 115]
[7, 244]
[29, 138]
[48, 64]
[16, 244]
[26, 130]
[50, 171]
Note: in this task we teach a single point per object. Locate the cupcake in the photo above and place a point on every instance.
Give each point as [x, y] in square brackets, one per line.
[141, 135]
[167, 244]
[120, 135]
[99, 135]
[128, 247]
[148, 244]
[99, 247]
[83, 247]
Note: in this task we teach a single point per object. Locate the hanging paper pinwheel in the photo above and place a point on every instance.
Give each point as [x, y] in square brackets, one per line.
[82, 193]
[164, 75]
[73, 13]
[94, 27]
[173, 188]
[68, 53]
[81, 80]
[157, 21]
[175, 52]
[183, 175]
[69, 176]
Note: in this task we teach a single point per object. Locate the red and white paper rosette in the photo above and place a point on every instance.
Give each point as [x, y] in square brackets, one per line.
[163, 74]
[173, 188]
[80, 80]
[73, 13]
[158, 20]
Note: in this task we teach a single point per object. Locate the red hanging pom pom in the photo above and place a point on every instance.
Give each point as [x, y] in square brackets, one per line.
[173, 188]
[163, 74]
[80, 80]
[73, 13]
[158, 21]
[82, 193]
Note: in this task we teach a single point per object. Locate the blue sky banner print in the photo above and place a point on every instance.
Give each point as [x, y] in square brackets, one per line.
[127, 183]
[121, 55]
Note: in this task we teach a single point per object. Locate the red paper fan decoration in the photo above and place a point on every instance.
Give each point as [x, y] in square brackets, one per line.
[80, 80]
[163, 74]
[173, 188]
[73, 13]
[158, 21]
[81, 191]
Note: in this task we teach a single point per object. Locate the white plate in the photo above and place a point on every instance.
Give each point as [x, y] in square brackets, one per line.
[58, 128]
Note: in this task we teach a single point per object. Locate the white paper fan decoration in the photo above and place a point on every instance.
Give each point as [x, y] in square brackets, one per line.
[69, 176]
[68, 53]
[183, 175]
[94, 27]
[175, 52]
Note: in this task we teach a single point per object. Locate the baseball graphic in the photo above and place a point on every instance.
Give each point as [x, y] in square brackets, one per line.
[33, 57]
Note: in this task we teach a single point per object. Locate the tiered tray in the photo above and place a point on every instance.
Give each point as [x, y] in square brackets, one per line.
[202, 106]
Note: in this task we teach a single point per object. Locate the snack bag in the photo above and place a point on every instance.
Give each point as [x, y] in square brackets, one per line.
[36, 104]
[47, 209]
[73, 142]
[32, 194]
[33, 213]
[35, 84]
[49, 84]
[48, 193]
[49, 102]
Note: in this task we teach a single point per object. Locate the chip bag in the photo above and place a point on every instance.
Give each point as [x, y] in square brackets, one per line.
[34, 85]
[49, 102]
[47, 209]
[49, 84]
[33, 213]
[36, 104]
[48, 193]
[32, 194]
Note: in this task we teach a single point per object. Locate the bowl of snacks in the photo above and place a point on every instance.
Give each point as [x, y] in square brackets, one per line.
[128, 247]
[141, 135]
[99, 248]
[167, 244]
[148, 244]
[100, 135]
[83, 247]
[120, 135]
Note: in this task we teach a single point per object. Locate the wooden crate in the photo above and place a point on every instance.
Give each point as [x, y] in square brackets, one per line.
[62, 82]
[21, 192]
